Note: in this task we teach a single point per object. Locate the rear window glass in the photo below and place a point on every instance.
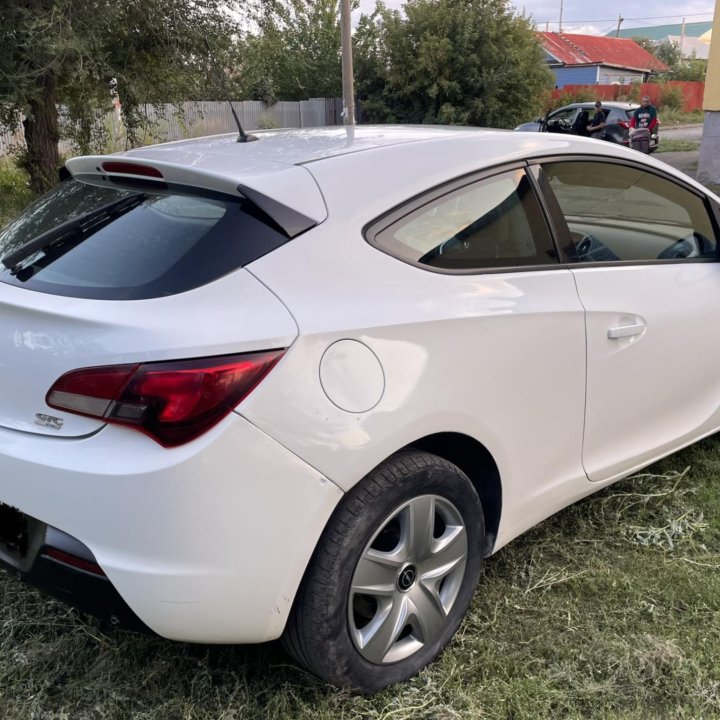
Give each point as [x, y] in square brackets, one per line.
[128, 244]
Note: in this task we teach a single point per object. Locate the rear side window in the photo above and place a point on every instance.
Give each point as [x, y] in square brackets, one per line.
[493, 223]
[107, 243]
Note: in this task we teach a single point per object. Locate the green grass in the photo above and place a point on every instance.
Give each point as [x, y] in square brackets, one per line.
[677, 145]
[611, 609]
[677, 117]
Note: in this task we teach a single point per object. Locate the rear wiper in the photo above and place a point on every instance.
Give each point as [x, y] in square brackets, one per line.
[91, 221]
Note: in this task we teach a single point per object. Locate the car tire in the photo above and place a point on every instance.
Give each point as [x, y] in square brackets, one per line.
[411, 534]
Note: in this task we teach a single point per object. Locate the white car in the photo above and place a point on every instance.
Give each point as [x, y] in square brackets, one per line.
[303, 386]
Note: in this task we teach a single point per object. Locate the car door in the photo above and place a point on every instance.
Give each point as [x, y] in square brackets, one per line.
[644, 252]
[561, 120]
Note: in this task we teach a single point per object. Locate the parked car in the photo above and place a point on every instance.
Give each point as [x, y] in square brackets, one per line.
[571, 120]
[304, 386]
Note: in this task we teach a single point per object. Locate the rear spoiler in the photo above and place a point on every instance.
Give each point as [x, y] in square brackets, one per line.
[288, 194]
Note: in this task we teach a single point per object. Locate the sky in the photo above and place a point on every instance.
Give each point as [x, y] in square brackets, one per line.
[599, 18]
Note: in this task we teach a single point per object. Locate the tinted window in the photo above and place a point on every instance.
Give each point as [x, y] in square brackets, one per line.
[153, 245]
[616, 212]
[496, 222]
[564, 114]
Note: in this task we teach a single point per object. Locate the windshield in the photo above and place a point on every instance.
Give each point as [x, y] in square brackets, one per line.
[159, 244]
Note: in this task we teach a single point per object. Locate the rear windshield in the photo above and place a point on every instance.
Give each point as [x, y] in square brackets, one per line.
[129, 244]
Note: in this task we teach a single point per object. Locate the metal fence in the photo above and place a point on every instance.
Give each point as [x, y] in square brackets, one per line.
[196, 119]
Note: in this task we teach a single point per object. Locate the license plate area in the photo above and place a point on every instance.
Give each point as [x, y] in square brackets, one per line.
[14, 531]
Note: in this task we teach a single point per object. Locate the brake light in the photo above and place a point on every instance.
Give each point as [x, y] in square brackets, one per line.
[172, 402]
[126, 168]
[623, 124]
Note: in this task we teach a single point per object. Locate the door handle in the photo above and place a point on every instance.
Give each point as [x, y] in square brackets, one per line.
[622, 331]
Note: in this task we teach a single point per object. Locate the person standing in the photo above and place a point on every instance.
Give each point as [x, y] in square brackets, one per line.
[645, 116]
[596, 128]
[642, 123]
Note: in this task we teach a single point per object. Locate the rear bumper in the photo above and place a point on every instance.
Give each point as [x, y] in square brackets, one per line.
[203, 543]
[87, 590]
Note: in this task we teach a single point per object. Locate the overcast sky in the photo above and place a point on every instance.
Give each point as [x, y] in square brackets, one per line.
[599, 18]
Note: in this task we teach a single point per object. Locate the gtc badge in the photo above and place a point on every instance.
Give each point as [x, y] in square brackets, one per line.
[48, 421]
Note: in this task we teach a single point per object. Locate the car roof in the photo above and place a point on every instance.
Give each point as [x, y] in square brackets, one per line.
[613, 105]
[287, 173]
[277, 150]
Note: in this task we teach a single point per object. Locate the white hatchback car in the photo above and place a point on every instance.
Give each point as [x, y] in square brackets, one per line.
[302, 386]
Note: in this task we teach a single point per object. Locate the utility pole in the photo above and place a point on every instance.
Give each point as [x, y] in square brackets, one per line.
[620, 19]
[560, 23]
[682, 41]
[709, 164]
[347, 64]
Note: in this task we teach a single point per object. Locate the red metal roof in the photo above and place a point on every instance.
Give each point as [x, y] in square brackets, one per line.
[570, 49]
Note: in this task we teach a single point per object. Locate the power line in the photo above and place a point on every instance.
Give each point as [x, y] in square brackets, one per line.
[656, 17]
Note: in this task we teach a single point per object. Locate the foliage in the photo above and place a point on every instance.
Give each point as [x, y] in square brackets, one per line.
[81, 55]
[645, 43]
[630, 92]
[293, 53]
[668, 52]
[691, 69]
[463, 62]
[15, 191]
[671, 96]
[567, 97]
[681, 68]
[677, 117]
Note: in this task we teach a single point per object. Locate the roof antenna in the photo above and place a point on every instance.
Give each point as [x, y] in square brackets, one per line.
[243, 137]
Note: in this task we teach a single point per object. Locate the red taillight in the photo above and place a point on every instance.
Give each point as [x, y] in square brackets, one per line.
[624, 125]
[172, 402]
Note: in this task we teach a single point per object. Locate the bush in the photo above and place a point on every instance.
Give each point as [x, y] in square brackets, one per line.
[15, 191]
[671, 97]
[568, 97]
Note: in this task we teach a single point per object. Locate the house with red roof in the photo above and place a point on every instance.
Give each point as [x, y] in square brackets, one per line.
[597, 60]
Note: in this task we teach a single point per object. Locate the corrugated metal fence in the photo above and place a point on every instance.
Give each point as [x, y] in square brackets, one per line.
[195, 119]
[692, 92]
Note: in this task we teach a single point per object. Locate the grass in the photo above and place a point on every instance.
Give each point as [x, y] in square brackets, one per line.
[677, 145]
[609, 610]
[677, 117]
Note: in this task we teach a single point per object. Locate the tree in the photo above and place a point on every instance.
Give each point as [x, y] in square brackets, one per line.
[294, 54]
[465, 62]
[668, 52]
[680, 68]
[645, 43]
[72, 55]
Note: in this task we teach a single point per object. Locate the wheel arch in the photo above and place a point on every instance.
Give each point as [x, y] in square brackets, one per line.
[475, 460]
